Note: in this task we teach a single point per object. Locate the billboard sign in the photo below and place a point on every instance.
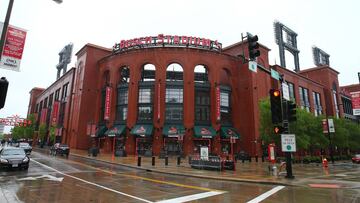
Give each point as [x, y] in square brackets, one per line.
[13, 47]
[355, 100]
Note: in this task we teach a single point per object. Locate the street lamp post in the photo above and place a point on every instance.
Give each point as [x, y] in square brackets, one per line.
[6, 24]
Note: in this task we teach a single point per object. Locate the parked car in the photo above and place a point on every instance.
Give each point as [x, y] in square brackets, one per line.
[61, 149]
[14, 157]
[27, 148]
[242, 155]
[356, 158]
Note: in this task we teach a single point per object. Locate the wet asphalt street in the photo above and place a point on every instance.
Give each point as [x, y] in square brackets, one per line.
[57, 179]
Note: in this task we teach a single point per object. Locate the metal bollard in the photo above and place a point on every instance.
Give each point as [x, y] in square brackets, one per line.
[178, 160]
[250, 159]
[166, 160]
[262, 158]
[242, 160]
[139, 161]
[256, 159]
[153, 161]
[274, 170]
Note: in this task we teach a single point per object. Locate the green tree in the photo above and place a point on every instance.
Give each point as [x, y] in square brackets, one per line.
[266, 127]
[42, 132]
[52, 134]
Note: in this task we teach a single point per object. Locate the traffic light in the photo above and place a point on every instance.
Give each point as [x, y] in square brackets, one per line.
[278, 129]
[3, 91]
[275, 102]
[253, 46]
[291, 111]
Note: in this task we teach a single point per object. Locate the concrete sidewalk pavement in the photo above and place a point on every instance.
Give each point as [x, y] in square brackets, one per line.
[253, 172]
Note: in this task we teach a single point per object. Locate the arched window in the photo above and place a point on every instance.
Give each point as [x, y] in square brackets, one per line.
[122, 94]
[174, 93]
[146, 93]
[202, 95]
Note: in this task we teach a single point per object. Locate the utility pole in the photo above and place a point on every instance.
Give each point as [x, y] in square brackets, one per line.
[6, 25]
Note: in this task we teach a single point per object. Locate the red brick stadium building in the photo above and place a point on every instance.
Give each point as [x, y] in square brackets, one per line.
[175, 94]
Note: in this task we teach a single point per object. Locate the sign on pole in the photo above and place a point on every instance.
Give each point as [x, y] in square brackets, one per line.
[331, 125]
[204, 153]
[325, 126]
[355, 100]
[285, 91]
[288, 143]
[13, 47]
[253, 66]
[275, 74]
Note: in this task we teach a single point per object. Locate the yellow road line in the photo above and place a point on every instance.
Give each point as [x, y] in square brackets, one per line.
[148, 179]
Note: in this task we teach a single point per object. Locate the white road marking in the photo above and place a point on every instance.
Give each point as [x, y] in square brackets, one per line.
[94, 184]
[266, 194]
[47, 177]
[191, 197]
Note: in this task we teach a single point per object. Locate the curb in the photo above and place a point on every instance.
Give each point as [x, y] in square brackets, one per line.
[182, 174]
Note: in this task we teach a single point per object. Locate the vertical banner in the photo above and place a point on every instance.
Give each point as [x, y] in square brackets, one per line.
[107, 103]
[218, 113]
[43, 115]
[355, 100]
[55, 113]
[325, 126]
[88, 129]
[158, 102]
[93, 130]
[13, 48]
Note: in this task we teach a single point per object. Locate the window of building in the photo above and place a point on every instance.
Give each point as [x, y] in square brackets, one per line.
[122, 103]
[37, 108]
[304, 98]
[145, 113]
[291, 91]
[61, 113]
[225, 108]
[174, 93]
[334, 92]
[317, 104]
[145, 110]
[51, 99]
[202, 95]
[145, 96]
[64, 91]
[57, 94]
[45, 102]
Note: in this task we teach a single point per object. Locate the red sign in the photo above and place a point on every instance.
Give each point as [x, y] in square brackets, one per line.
[167, 40]
[325, 126]
[218, 113]
[107, 103]
[271, 153]
[355, 100]
[158, 102]
[13, 48]
[55, 113]
[43, 115]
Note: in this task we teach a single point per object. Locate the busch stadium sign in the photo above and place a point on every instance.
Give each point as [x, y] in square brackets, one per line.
[167, 41]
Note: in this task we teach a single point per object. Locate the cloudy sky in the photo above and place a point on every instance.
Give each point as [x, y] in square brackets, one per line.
[331, 25]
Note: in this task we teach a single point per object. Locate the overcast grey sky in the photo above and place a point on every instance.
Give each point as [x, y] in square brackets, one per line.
[331, 25]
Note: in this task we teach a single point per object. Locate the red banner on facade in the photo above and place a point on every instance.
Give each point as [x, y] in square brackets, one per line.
[55, 113]
[43, 115]
[218, 113]
[107, 103]
[325, 126]
[355, 100]
[158, 102]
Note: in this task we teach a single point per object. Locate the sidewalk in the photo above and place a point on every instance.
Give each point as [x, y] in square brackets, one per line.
[253, 172]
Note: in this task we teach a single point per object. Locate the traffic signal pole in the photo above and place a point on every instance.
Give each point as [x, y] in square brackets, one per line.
[6, 25]
[289, 173]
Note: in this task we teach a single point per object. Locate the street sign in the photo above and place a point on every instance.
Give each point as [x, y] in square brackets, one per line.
[253, 66]
[275, 74]
[325, 126]
[285, 91]
[288, 143]
[204, 153]
[331, 125]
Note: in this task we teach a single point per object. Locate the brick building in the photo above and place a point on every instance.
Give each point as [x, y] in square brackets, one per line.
[175, 94]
